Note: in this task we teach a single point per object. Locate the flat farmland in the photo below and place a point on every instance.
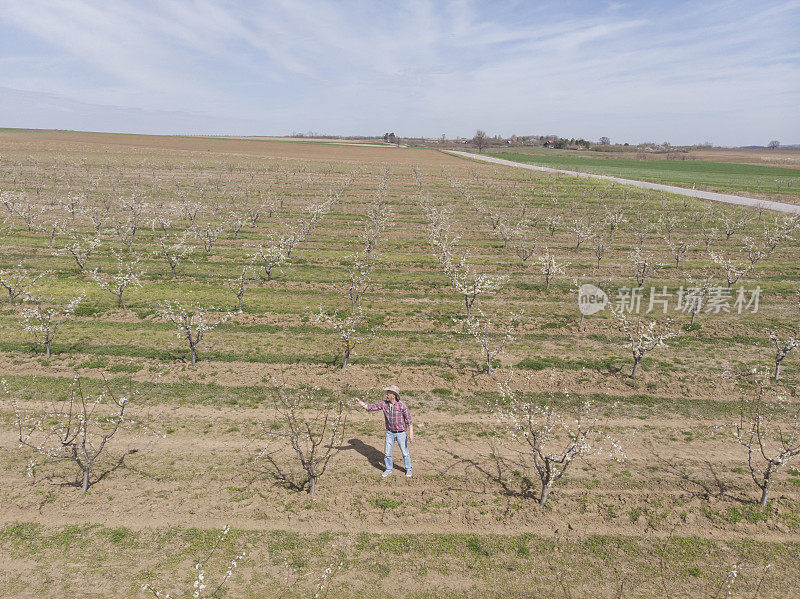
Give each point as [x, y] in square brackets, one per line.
[675, 514]
[767, 174]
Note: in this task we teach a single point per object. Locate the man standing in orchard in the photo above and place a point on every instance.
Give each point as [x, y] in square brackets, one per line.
[399, 427]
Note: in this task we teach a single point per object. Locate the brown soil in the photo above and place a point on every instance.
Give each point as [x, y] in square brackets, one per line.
[606, 523]
[68, 140]
[781, 157]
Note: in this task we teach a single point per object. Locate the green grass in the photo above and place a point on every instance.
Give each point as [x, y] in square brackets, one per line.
[723, 176]
[428, 565]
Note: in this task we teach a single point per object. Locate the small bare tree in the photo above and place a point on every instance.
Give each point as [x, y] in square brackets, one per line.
[190, 210]
[239, 285]
[550, 438]
[755, 252]
[127, 276]
[52, 227]
[692, 296]
[643, 264]
[290, 241]
[174, 249]
[97, 216]
[439, 231]
[780, 231]
[599, 250]
[678, 250]
[161, 221]
[553, 223]
[73, 203]
[481, 329]
[733, 270]
[266, 207]
[669, 222]
[274, 255]
[81, 249]
[643, 337]
[19, 282]
[191, 322]
[550, 267]
[582, 230]
[783, 345]
[28, 211]
[134, 208]
[508, 232]
[525, 249]
[11, 200]
[313, 427]
[642, 230]
[769, 428]
[315, 213]
[43, 321]
[732, 225]
[470, 283]
[709, 237]
[126, 233]
[208, 236]
[78, 430]
[236, 223]
[614, 220]
[350, 326]
[378, 216]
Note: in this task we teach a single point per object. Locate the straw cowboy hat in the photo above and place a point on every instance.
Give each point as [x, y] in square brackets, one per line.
[394, 389]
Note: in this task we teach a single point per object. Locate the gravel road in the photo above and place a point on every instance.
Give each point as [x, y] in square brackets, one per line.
[694, 193]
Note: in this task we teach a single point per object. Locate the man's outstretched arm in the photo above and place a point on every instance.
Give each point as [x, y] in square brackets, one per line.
[369, 407]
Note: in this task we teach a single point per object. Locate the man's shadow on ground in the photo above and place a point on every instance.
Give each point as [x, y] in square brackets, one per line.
[373, 455]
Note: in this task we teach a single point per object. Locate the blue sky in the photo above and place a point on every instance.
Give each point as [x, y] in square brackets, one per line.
[684, 72]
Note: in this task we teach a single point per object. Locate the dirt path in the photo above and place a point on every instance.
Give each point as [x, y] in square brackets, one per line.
[693, 193]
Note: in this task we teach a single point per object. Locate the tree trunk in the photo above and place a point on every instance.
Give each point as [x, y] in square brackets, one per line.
[346, 357]
[47, 346]
[85, 480]
[777, 370]
[312, 485]
[194, 357]
[765, 487]
[635, 366]
[545, 493]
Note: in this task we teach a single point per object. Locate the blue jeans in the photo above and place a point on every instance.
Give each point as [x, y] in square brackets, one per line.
[387, 450]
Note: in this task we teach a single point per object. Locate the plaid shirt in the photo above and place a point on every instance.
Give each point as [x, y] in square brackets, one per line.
[397, 415]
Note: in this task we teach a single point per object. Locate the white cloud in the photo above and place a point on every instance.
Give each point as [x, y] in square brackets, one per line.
[720, 70]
